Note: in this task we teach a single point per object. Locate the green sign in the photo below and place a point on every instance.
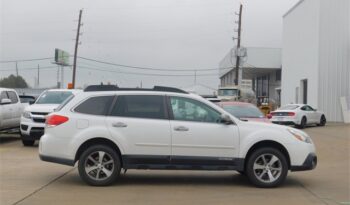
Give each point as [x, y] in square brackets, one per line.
[61, 57]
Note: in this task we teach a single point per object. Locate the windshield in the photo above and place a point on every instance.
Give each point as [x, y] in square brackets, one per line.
[228, 92]
[289, 107]
[53, 97]
[243, 111]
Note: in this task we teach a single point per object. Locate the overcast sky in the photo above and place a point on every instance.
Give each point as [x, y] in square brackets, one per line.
[166, 34]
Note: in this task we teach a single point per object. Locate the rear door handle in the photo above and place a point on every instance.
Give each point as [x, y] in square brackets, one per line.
[181, 128]
[119, 124]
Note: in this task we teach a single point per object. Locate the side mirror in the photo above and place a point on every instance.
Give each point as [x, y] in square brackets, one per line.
[315, 110]
[31, 102]
[226, 119]
[269, 116]
[5, 101]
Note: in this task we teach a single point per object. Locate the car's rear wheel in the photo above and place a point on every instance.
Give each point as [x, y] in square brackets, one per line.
[99, 165]
[28, 143]
[322, 121]
[303, 123]
[267, 167]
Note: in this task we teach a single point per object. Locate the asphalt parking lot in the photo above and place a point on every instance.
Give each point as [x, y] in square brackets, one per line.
[24, 179]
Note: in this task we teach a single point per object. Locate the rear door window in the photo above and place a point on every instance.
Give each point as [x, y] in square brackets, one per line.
[3, 95]
[140, 106]
[95, 105]
[13, 97]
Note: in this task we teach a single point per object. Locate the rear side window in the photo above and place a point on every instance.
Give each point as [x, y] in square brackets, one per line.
[13, 97]
[95, 105]
[140, 106]
[3, 95]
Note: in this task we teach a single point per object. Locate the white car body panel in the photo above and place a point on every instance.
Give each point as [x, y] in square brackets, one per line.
[10, 114]
[313, 117]
[156, 137]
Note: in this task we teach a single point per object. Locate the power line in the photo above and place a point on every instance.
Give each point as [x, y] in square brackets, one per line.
[25, 69]
[151, 68]
[25, 60]
[146, 74]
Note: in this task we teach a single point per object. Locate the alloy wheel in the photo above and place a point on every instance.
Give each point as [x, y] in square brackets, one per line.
[267, 168]
[99, 165]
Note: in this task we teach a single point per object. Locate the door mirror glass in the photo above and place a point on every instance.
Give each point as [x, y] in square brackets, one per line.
[5, 101]
[226, 119]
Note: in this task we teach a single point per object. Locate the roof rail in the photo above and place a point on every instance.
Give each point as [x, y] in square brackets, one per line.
[93, 88]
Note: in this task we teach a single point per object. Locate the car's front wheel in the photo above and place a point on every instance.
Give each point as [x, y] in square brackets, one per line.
[267, 167]
[99, 165]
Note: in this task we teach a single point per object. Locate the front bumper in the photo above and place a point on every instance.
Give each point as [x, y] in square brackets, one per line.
[310, 163]
[31, 130]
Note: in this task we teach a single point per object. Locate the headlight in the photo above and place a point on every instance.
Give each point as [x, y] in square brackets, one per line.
[300, 136]
[26, 114]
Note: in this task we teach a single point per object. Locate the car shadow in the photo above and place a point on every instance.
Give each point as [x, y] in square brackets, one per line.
[181, 179]
[7, 138]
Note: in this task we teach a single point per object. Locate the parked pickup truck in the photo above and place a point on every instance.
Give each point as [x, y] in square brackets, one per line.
[11, 109]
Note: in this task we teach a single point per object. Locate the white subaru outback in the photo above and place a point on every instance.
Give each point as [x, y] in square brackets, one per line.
[106, 128]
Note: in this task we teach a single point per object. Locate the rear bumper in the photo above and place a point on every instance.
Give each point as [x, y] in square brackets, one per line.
[309, 163]
[284, 122]
[57, 160]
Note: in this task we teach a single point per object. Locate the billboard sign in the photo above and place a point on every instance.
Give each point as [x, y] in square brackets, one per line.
[61, 57]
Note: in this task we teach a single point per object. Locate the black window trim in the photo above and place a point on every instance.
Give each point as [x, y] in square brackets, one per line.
[114, 102]
[92, 96]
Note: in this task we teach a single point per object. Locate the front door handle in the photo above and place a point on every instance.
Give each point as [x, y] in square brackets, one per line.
[119, 124]
[181, 128]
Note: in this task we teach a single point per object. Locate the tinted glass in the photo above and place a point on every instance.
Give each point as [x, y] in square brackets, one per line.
[308, 108]
[191, 110]
[140, 106]
[289, 107]
[53, 97]
[3, 95]
[228, 92]
[26, 99]
[243, 111]
[95, 105]
[13, 97]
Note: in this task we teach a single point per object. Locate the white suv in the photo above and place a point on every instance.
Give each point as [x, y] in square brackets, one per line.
[107, 128]
[33, 117]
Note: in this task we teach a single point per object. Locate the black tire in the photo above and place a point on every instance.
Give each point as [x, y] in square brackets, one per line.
[280, 176]
[323, 121]
[28, 143]
[86, 162]
[303, 123]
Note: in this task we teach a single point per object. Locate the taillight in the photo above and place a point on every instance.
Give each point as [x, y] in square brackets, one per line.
[54, 120]
[291, 113]
[272, 114]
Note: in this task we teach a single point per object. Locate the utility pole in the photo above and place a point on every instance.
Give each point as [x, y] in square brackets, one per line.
[16, 69]
[195, 77]
[238, 44]
[38, 78]
[76, 49]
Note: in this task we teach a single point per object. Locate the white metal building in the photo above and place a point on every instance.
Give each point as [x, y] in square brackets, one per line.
[316, 56]
[261, 67]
